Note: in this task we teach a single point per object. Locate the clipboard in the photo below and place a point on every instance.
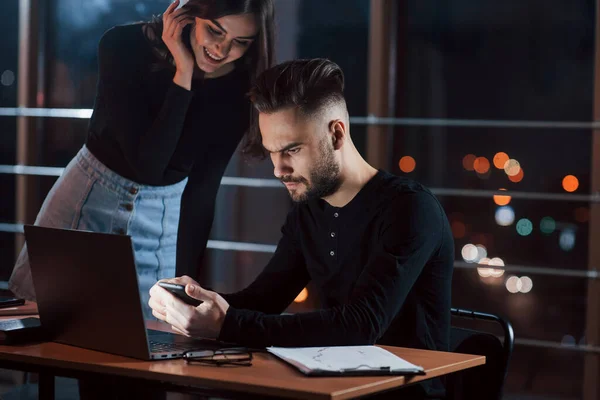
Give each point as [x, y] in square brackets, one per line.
[345, 361]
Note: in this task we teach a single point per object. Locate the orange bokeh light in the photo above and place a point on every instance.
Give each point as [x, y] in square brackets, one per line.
[302, 296]
[518, 177]
[501, 200]
[468, 161]
[570, 183]
[481, 165]
[407, 164]
[459, 230]
[500, 159]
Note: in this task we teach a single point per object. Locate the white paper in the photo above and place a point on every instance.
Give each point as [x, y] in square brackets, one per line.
[345, 358]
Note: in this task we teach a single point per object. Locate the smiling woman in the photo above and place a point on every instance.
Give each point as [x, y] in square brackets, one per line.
[217, 34]
[170, 110]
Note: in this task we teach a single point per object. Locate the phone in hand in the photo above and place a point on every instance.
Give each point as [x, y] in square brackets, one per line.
[181, 4]
[6, 302]
[179, 292]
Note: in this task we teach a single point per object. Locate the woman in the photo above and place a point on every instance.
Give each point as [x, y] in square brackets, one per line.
[170, 110]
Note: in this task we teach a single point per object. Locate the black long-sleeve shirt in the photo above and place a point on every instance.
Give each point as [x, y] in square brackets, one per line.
[154, 132]
[382, 266]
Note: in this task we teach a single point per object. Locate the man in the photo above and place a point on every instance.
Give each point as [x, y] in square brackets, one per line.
[377, 247]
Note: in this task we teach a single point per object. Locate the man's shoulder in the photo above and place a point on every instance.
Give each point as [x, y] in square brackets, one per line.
[393, 188]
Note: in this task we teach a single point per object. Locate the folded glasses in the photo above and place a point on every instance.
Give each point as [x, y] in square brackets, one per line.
[234, 356]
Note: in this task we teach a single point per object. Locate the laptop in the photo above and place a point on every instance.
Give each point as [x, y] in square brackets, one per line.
[87, 295]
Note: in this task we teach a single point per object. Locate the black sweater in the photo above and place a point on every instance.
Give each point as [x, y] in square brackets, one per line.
[381, 266]
[152, 131]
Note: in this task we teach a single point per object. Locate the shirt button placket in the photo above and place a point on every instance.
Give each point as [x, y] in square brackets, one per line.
[333, 235]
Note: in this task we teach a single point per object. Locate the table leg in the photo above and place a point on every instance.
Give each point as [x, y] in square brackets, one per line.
[46, 386]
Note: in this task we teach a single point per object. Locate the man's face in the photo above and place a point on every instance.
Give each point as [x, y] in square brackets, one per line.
[302, 152]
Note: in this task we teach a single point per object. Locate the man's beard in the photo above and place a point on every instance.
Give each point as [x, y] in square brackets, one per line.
[325, 177]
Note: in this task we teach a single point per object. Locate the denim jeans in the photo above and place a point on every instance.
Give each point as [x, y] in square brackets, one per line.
[89, 196]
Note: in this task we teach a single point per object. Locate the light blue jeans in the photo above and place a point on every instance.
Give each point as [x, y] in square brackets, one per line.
[89, 196]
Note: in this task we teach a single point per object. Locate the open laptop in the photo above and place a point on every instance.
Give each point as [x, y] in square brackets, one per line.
[87, 295]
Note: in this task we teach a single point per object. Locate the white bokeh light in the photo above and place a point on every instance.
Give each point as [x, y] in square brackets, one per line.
[566, 240]
[481, 252]
[496, 262]
[505, 216]
[513, 284]
[512, 167]
[526, 284]
[469, 253]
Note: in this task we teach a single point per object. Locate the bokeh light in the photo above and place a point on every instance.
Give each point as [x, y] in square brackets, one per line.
[407, 164]
[459, 230]
[500, 199]
[505, 216]
[568, 340]
[518, 177]
[481, 252]
[468, 161]
[500, 160]
[481, 165]
[566, 240]
[514, 284]
[7, 78]
[524, 227]
[302, 296]
[526, 284]
[484, 272]
[512, 167]
[496, 262]
[469, 253]
[582, 214]
[547, 225]
[570, 183]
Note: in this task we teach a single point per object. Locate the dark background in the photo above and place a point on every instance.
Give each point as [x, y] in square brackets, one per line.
[501, 60]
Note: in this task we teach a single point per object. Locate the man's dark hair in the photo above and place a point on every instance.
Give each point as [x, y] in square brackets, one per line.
[308, 85]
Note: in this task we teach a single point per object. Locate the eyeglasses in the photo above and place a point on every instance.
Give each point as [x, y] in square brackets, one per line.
[234, 356]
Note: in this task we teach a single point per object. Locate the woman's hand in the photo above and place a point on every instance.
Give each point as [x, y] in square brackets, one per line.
[173, 24]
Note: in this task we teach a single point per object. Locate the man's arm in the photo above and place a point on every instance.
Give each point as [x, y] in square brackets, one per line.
[273, 290]
[408, 239]
[280, 282]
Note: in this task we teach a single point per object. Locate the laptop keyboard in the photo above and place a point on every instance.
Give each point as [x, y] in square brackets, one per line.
[13, 324]
[161, 347]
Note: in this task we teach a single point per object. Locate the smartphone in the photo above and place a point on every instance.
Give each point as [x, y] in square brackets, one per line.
[179, 292]
[6, 302]
[181, 4]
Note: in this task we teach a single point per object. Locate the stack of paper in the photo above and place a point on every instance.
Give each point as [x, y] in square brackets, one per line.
[345, 360]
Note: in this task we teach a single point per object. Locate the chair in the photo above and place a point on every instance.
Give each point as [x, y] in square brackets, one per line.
[486, 381]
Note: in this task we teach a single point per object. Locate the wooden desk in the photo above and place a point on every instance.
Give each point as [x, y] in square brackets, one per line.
[268, 376]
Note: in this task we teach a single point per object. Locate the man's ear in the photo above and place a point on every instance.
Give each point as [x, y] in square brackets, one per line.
[337, 130]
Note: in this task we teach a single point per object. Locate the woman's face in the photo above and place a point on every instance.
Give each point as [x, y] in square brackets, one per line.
[217, 43]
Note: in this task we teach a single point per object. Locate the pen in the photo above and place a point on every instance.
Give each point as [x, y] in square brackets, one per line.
[368, 368]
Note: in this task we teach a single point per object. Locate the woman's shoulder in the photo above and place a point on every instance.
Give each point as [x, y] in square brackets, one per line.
[129, 38]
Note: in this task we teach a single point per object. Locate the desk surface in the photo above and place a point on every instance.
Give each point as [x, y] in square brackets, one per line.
[267, 375]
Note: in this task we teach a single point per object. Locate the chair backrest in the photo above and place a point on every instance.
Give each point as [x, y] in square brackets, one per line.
[487, 381]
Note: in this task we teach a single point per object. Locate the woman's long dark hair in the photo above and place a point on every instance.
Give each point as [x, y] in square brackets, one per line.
[259, 56]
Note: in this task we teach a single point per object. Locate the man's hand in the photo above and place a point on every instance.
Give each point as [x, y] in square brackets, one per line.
[204, 321]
